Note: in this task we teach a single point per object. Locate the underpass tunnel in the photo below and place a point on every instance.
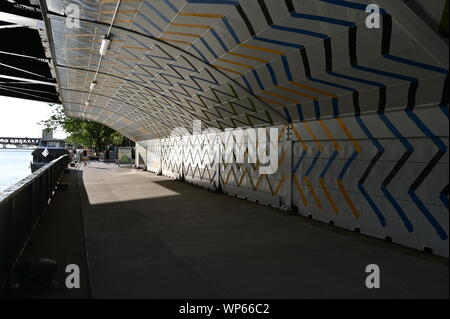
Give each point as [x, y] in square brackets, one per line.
[356, 91]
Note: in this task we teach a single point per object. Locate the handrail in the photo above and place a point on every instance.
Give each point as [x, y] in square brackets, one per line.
[10, 191]
[21, 206]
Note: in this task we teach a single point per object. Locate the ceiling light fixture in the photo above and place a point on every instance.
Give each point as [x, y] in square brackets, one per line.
[92, 86]
[105, 45]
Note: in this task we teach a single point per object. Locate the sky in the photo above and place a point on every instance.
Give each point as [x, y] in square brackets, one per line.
[19, 118]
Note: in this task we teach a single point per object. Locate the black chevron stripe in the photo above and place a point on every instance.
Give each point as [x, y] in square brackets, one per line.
[396, 168]
[369, 168]
[444, 98]
[427, 170]
[246, 20]
[265, 11]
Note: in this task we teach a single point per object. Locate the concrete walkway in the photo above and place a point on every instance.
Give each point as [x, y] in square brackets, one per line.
[151, 237]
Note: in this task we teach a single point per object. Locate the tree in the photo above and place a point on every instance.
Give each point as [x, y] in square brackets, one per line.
[82, 132]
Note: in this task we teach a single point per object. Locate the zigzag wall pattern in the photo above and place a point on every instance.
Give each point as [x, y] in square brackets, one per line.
[368, 108]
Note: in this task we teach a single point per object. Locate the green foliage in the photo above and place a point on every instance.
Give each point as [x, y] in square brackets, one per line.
[82, 132]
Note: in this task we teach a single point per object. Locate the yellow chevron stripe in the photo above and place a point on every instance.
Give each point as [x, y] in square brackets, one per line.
[269, 100]
[258, 181]
[300, 191]
[349, 134]
[236, 63]
[242, 177]
[78, 48]
[297, 92]
[348, 199]
[79, 35]
[313, 89]
[278, 187]
[201, 15]
[282, 97]
[254, 47]
[328, 196]
[281, 133]
[116, 21]
[114, 1]
[248, 57]
[299, 137]
[313, 193]
[175, 41]
[118, 11]
[183, 34]
[227, 69]
[330, 136]
[228, 176]
[314, 137]
[134, 47]
[85, 58]
[189, 25]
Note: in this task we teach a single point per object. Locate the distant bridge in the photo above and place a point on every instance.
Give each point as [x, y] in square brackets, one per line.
[19, 141]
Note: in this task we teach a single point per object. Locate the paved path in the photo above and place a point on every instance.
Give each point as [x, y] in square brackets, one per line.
[151, 237]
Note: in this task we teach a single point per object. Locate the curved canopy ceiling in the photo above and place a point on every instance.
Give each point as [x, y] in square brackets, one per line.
[239, 63]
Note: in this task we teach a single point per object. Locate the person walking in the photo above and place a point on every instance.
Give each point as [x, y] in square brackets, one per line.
[107, 156]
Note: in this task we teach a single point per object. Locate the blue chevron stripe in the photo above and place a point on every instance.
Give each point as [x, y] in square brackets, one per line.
[156, 11]
[323, 19]
[329, 162]
[347, 165]
[171, 6]
[372, 204]
[416, 64]
[380, 149]
[436, 140]
[208, 48]
[313, 163]
[395, 131]
[282, 43]
[200, 53]
[444, 109]
[409, 148]
[272, 74]
[444, 200]
[398, 209]
[335, 104]
[222, 44]
[412, 192]
[300, 31]
[256, 75]
[317, 109]
[441, 232]
[355, 79]
[145, 30]
[231, 30]
[288, 115]
[300, 112]
[302, 156]
[154, 25]
[249, 88]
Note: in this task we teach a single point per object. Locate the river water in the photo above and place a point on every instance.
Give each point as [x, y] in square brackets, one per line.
[14, 166]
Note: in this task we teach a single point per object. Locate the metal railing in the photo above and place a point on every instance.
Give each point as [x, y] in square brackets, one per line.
[20, 208]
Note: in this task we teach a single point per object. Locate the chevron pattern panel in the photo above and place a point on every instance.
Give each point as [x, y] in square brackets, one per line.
[385, 174]
[366, 109]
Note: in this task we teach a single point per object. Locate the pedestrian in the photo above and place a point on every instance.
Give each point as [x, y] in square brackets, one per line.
[107, 156]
